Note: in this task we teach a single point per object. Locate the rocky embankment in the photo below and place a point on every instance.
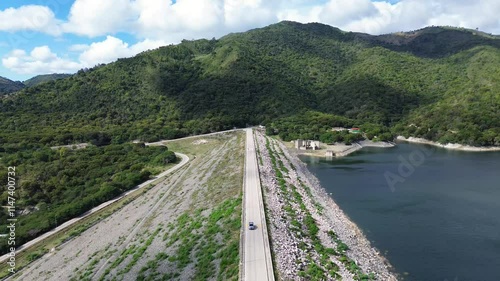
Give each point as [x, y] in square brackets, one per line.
[310, 235]
[453, 146]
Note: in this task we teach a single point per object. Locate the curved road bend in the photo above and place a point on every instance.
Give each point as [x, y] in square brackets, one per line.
[256, 255]
[184, 161]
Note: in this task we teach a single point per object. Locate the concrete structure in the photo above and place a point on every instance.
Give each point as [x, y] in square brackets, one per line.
[339, 129]
[257, 264]
[307, 144]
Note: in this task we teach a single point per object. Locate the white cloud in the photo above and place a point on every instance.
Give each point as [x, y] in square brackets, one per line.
[43, 54]
[78, 47]
[166, 20]
[113, 48]
[237, 15]
[300, 15]
[190, 19]
[147, 45]
[30, 18]
[96, 17]
[42, 60]
[341, 12]
[383, 16]
[105, 51]
[482, 14]
[186, 19]
[198, 15]
[161, 22]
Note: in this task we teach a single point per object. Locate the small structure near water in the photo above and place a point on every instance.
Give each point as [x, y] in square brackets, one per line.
[307, 144]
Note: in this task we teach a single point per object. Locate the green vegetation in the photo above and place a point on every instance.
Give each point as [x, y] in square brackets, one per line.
[26, 257]
[134, 251]
[8, 86]
[299, 80]
[306, 227]
[318, 126]
[349, 263]
[44, 78]
[58, 185]
[440, 79]
[436, 41]
[212, 239]
[201, 240]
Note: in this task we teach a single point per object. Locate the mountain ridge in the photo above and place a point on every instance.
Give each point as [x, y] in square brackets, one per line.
[265, 74]
[33, 81]
[8, 86]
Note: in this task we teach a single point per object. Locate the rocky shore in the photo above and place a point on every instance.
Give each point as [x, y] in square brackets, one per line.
[292, 258]
[453, 146]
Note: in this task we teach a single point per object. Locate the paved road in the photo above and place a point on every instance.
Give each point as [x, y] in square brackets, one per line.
[256, 257]
[26, 245]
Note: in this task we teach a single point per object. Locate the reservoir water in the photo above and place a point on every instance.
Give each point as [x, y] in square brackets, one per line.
[434, 213]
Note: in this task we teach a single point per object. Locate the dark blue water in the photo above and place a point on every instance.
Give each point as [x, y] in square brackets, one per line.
[435, 217]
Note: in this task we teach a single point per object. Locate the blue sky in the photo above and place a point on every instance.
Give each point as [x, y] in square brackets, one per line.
[39, 37]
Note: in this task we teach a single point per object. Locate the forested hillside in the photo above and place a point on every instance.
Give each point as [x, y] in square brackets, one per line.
[8, 86]
[44, 78]
[265, 74]
[57, 185]
[298, 79]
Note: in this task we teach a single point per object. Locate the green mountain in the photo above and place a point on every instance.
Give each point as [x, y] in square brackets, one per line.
[44, 78]
[442, 81]
[435, 42]
[8, 86]
[297, 79]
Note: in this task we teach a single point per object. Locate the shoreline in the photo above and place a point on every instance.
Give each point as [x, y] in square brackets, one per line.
[328, 217]
[450, 146]
[367, 256]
